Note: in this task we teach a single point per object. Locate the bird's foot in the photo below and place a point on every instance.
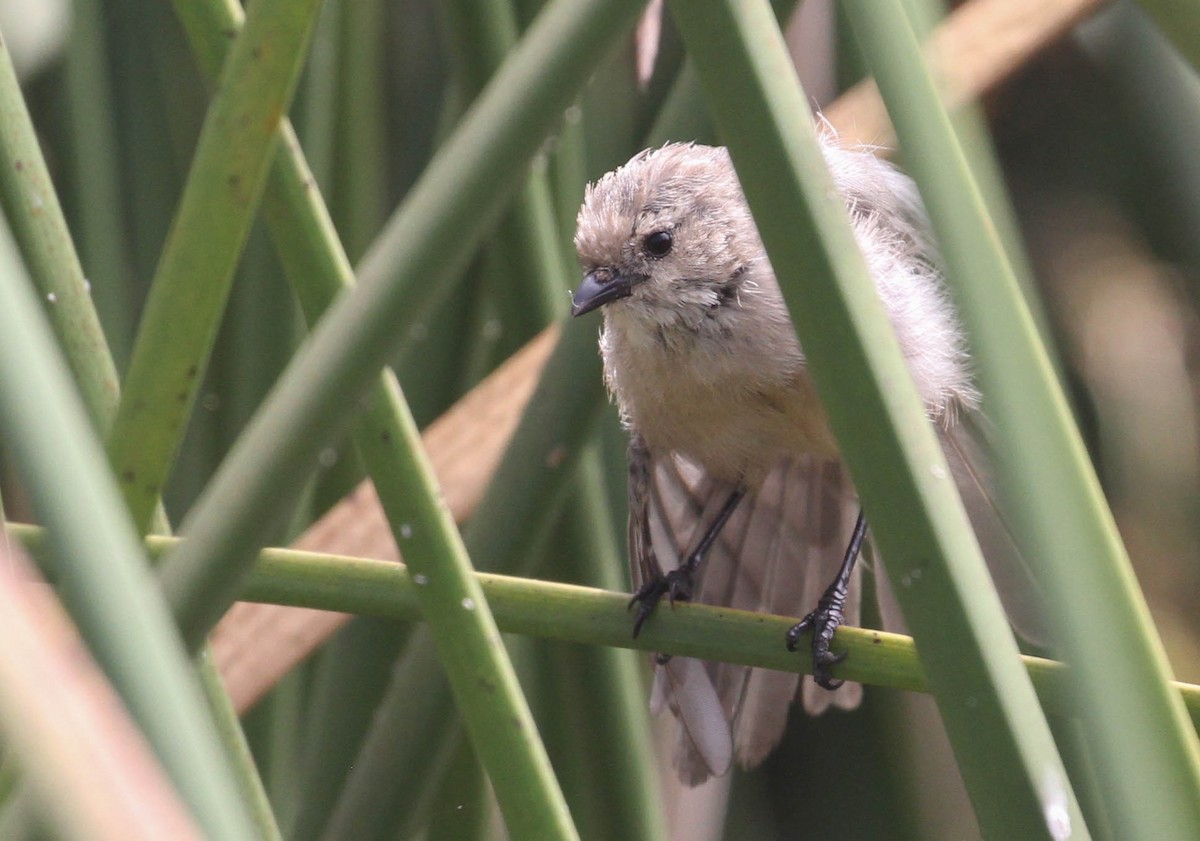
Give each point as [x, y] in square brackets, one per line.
[823, 622]
[676, 585]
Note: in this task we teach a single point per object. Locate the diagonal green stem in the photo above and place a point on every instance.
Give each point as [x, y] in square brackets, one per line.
[192, 283]
[1181, 23]
[1148, 758]
[464, 632]
[1002, 742]
[31, 204]
[92, 162]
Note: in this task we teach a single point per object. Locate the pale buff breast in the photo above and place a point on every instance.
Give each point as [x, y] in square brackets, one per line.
[735, 401]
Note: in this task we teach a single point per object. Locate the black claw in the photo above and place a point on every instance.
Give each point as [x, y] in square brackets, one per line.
[676, 585]
[823, 622]
[798, 630]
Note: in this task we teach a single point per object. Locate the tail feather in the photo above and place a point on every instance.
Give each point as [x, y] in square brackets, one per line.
[705, 746]
[776, 554]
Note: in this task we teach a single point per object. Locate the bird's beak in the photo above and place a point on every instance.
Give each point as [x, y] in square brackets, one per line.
[599, 287]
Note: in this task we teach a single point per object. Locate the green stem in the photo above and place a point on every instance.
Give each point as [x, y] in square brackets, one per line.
[592, 616]
[358, 188]
[234, 740]
[468, 644]
[93, 159]
[1180, 22]
[222, 193]
[31, 204]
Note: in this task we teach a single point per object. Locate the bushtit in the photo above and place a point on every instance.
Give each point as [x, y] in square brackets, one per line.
[737, 492]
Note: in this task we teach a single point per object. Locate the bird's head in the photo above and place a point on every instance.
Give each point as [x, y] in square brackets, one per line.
[668, 232]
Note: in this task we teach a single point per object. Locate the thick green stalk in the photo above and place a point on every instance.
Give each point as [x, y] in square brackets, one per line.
[974, 137]
[316, 124]
[554, 428]
[234, 740]
[27, 196]
[528, 281]
[93, 159]
[99, 565]
[1148, 758]
[415, 727]
[467, 641]
[1181, 23]
[592, 616]
[684, 111]
[1001, 739]
[192, 283]
[359, 187]
[615, 745]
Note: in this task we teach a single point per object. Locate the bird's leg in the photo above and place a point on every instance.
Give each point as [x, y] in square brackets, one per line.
[677, 583]
[829, 613]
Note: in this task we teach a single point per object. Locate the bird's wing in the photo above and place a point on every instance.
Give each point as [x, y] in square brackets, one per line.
[777, 553]
[965, 446]
[966, 449]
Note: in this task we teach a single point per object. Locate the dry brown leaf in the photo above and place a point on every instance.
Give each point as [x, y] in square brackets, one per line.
[981, 44]
[84, 759]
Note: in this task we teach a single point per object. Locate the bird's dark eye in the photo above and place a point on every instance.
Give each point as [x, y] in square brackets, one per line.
[657, 244]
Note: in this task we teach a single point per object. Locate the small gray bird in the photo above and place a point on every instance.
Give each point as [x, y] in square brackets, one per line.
[737, 492]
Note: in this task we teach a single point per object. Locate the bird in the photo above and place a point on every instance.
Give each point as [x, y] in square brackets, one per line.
[738, 495]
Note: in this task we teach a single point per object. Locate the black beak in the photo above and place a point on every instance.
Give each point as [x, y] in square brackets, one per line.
[599, 287]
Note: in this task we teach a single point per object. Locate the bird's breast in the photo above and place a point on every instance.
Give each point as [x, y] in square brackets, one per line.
[733, 400]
